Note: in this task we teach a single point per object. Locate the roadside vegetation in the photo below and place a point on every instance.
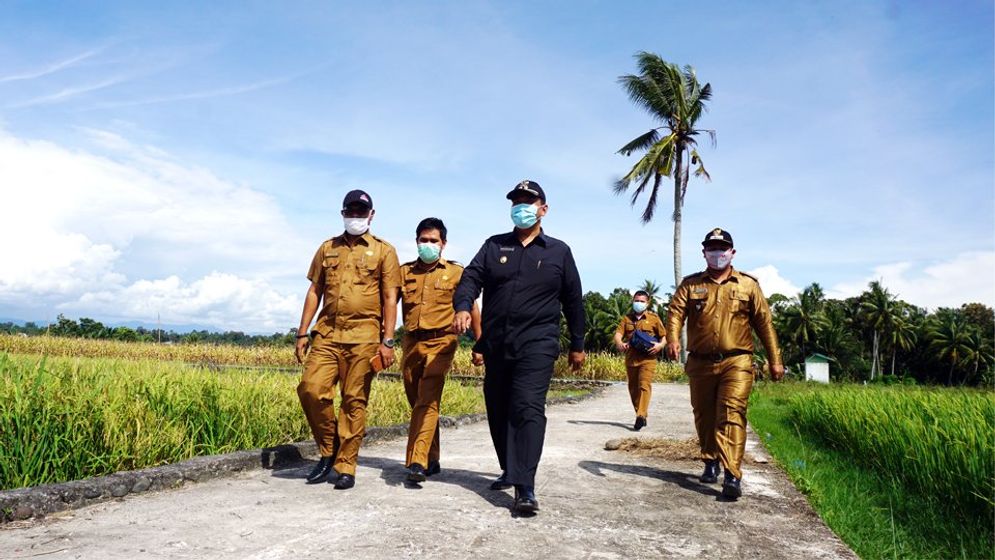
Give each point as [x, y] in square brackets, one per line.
[64, 419]
[896, 472]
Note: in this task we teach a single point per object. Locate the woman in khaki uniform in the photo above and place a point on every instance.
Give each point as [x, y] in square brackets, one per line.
[723, 307]
[640, 366]
[427, 286]
[356, 277]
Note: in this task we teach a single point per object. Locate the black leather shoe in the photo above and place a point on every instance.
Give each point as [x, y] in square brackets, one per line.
[433, 468]
[501, 483]
[321, 470]
[730, 487]
[525, 500]
[416, 473]
[345, 482]
[711, 474]
[640, 423]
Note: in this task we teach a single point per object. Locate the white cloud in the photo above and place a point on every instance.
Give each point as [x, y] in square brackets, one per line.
[220, 300]
[967, 277]
[91, 229]
[771, 281]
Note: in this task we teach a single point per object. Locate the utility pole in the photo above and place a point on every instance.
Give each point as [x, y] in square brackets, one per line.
[158, 328]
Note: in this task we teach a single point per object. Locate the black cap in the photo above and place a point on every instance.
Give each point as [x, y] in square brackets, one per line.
[720, 235]
[357, 197]
[528, 187]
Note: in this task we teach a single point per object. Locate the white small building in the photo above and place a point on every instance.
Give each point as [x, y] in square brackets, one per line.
[817, 368]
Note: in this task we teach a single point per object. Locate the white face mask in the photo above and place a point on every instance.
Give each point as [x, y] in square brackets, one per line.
[356, 226]
[718, 259]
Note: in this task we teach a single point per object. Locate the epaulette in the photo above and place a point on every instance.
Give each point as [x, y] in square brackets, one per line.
[457, 263]
[689, 276]
[410, 263]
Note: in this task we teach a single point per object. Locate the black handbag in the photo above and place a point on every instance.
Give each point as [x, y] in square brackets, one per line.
[642, 341]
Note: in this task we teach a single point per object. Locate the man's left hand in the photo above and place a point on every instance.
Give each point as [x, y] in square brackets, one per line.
[576, 360]
[776, 372]
[657, 348]
[387, 355]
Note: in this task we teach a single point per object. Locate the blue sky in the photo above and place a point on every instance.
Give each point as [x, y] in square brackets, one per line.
[186, 161]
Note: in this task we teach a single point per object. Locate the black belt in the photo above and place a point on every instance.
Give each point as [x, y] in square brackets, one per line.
[422, 334]
[719, 356]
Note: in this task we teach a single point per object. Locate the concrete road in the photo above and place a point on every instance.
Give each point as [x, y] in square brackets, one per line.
[594, 504]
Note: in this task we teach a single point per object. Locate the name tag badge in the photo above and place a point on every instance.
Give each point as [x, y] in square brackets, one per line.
[506, 249]
[700, 290]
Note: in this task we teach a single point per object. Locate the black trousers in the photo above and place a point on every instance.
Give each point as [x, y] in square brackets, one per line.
[515, 395]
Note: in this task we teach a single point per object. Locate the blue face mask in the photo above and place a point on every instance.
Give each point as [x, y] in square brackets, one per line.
[639, 306]
[429, 252]
[524, 215]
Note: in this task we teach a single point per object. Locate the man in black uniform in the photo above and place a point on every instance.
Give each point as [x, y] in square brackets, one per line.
[528, 278]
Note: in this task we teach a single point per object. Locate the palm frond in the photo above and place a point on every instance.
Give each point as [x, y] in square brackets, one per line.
[650, 209]
[700, 170]
[646, 93]
[640, 142]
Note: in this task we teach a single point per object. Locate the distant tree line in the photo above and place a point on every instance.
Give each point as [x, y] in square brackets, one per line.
[89, 328]
[878, 337]
[871, 337]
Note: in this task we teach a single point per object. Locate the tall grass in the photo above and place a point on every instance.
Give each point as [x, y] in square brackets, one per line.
[63, 418]
[895, 471]
[599, 366]
[938, 442]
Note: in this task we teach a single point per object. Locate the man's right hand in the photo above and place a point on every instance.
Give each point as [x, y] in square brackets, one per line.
[301, 349]
[461, 322]
[673, 350]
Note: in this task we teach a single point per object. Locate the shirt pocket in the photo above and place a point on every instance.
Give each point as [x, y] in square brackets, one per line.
[697, 302]
[739, 303]
[409, 292]
[332, 270]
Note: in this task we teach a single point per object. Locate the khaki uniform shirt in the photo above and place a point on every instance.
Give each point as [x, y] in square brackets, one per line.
[649, 323]
[427, 294]
[351, 281]
[720, 316]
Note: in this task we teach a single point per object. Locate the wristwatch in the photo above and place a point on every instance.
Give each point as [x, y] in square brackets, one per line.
[388, 342]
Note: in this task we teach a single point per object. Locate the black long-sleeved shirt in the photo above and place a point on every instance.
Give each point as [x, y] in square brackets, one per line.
[525, 289]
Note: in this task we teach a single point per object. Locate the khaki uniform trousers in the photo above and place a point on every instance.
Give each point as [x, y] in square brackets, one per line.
[719, 394]
[424, 367]
[640, 370]
[347, 365]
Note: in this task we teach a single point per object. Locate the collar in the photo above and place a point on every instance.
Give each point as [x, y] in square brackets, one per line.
[441, 263]
[512, 237]
[365, 239]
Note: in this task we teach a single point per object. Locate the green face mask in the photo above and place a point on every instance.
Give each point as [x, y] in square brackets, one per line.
[429, 252]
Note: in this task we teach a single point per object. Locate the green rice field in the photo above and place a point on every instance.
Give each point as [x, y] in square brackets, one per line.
[897, 472]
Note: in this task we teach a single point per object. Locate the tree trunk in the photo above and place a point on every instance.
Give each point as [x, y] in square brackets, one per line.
[950, 374]
[874, 356]
[678, 213]
[893, 352]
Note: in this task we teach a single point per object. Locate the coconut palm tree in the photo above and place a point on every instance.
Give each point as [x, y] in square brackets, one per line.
[674, 96]
[803, 318]
[653, 289]
[902, 336]
[878, 310]
[951, 341]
